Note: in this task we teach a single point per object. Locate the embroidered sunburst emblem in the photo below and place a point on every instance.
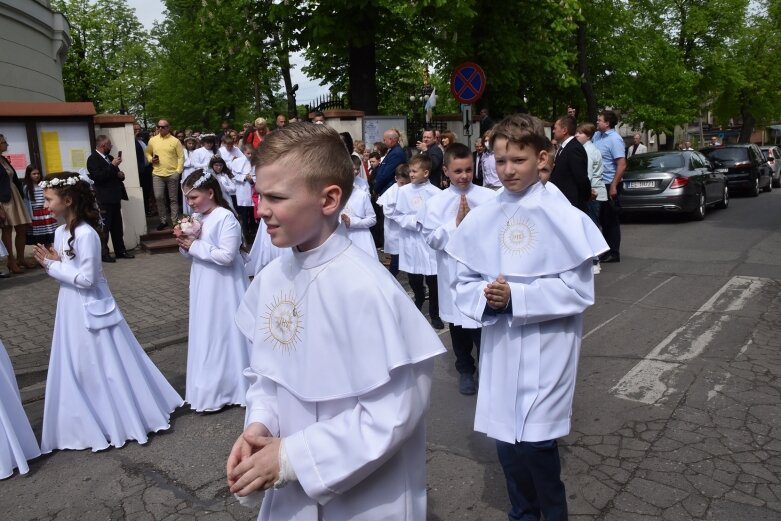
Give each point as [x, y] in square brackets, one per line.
[417, 202]
[283, 322]
[518, 237]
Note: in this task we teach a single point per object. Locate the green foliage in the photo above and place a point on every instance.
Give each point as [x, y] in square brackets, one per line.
[108, 57]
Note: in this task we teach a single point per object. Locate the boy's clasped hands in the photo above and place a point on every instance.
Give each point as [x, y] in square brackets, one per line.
[497, 294]
[253, 463]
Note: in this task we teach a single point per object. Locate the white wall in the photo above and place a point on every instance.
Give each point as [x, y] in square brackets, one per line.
[133, 215]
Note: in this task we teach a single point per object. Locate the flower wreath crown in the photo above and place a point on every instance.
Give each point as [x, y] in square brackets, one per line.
[54, 183]
[199, 182]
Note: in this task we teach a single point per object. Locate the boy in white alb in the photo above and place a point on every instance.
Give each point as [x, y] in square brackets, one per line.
[438, 220]
[335, 425]
[391, 229]
[415, 255]
[524, 272]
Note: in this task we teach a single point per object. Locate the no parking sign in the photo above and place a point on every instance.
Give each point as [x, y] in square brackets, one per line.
[467, 83]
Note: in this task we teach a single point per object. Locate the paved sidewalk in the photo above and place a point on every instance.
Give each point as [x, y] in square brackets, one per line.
[151, 290]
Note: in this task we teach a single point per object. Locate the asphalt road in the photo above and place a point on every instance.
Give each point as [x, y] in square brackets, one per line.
[676, 414]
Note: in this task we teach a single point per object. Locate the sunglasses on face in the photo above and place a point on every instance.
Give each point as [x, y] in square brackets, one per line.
[162, 126]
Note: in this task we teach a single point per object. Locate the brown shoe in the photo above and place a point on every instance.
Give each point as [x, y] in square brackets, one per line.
[13, 268]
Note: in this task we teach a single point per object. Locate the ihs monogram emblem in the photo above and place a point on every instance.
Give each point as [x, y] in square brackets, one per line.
[518, 237]
[283, 322]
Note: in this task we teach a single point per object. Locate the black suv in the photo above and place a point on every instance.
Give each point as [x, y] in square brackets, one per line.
[744, 165]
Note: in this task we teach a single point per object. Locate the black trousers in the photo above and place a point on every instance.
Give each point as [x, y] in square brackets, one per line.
[112, 225]
[611, 226]
[463, 339]
[416, 283]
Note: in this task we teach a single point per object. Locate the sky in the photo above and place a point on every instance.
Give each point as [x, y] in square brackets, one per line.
[149, 11]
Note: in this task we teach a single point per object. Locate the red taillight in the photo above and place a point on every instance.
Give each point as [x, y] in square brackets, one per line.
[679, 182]
[742, 165]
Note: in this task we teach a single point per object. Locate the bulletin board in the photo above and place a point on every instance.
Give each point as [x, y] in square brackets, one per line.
[64, 146]
[18, 152]
[375, 126]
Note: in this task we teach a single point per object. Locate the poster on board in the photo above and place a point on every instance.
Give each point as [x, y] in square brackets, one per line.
[375, 126]
[18, 152]
[64, 146]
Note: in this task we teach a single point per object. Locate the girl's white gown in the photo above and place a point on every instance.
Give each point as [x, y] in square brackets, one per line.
[362, 217]
[101, 389]
[217, 352]
[17, 441]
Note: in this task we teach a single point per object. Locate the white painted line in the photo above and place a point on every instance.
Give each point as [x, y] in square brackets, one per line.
[608, 321]
[650, 381]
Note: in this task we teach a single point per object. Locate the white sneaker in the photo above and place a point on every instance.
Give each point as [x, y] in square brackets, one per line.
[596, 269]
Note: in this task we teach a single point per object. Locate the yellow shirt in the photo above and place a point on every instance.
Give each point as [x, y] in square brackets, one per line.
[170, 152]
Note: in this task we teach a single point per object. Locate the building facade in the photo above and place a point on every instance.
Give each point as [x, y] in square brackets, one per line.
[34, 42]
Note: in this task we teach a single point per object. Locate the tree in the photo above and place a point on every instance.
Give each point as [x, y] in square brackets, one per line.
[109, 54]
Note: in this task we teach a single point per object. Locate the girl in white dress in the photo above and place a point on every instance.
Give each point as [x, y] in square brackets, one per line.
[101, 388]
[190, 145]
[218, 167]
[17, 441]
[358, 217]
[217, 352]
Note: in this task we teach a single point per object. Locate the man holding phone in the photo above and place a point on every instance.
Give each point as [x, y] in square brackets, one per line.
[109, 191]
[166, 154]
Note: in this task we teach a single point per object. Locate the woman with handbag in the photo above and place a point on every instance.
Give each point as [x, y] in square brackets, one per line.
[13, 213]
[101, 388]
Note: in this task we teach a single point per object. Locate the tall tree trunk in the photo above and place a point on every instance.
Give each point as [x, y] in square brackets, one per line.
[362, 71]
[363, 78]
[747, 128]
[585, 77]
[283, 52]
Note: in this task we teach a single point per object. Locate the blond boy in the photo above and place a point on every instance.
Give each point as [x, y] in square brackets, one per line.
[341, 362]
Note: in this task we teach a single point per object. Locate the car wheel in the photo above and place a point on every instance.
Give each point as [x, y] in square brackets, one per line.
[769, 187]
[724, 199]
[777, 182]
[699, 213]
[755, 189]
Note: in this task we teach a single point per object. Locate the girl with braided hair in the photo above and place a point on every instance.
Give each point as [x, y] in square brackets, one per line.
[101, 388]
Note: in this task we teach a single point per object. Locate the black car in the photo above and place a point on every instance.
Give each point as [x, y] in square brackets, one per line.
[674, 181]
[744, 165]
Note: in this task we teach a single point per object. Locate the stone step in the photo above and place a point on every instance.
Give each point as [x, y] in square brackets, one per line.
[165, 245]
[154, 235]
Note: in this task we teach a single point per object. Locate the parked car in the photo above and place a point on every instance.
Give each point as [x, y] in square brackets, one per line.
[672, 181]
[744, 165]
[773, 156]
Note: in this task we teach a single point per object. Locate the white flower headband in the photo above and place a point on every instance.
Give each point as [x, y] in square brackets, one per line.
[199, 182]
[54, 183]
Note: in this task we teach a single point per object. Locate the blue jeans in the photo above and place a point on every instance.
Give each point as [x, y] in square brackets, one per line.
[594, 208]
[533, 474]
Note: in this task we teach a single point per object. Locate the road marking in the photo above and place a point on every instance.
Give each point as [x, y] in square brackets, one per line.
[650, 380]
[608, 321]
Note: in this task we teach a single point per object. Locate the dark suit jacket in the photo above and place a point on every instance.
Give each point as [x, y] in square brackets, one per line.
[109, 188]
[6, 180]
[570, 174]
[387, 169]
[477, 160]
[437, 157]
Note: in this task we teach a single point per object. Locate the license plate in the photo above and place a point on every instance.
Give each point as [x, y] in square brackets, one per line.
[641, 184]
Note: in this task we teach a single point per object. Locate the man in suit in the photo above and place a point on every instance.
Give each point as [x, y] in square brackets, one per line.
[429, 146]
[386, 172]
[570, 170]
[637, 147]
[109, 191]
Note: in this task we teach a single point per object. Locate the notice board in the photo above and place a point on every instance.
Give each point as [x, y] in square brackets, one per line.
[65, 146]
[375, 126]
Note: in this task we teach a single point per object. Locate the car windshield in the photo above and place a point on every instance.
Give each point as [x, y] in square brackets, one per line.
[727, 154]
[654, 162]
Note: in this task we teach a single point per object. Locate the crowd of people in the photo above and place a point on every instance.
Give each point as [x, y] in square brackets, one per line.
[291, 231]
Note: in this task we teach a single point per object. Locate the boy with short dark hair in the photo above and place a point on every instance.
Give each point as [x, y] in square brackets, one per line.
[438, 220]
[524, 272]
[335, 409]
[415, 256]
